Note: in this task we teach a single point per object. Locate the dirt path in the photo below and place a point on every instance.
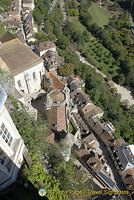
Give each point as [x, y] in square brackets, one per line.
[125, 94]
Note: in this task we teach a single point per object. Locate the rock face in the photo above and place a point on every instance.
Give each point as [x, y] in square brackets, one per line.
[66, 144]
[7, 81]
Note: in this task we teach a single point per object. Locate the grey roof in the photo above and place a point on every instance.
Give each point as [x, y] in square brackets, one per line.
[123, 155]
[3, 97]
[106, 180]
[98, 128]
[74, 86]
[70, 79]
[81, 98]
[92, 121]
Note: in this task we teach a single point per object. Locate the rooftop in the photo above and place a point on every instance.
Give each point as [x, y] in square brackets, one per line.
[17, 55]
[80, 98]
[13, 13]
[45, 46]
[56, 84]
[57, 118]
[128, 178]
[90, 138]
[124, 156]
[91, 110]
[57, 96]
[107, 180]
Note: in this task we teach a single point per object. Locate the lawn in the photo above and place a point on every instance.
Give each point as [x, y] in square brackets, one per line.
[99, 15]
[78, 26]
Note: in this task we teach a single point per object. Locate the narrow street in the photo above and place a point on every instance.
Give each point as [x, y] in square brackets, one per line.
[43, 23]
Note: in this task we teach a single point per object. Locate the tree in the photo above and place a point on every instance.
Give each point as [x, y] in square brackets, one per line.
[30, 130]
[86, 36]
[37, 16]
[63, 42]
[2, 30]
[36, 175]
[73, 12]
[72, 180]
[66, 69]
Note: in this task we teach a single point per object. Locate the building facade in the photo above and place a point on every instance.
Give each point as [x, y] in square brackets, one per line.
[11, 146]
[24, 65]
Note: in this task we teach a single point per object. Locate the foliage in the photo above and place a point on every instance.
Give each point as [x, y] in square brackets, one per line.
[6, 4]
[38, 17]
[53, 23]
[71, 128]
[36, 175]
[66, 69]
[72, 179]
[69, 56]
[2, 30]
[41, 10]
[33, 132]
[7, 81]
[101, 95]
[116, 38]
[73, 12]
[63, 42]
[99, 15]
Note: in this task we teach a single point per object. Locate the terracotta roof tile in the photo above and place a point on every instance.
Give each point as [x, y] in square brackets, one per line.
[57, 96]
[13, 13]
[56, 83]
[45, 46]
[57, 118]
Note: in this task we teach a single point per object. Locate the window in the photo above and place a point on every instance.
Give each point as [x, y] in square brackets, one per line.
[19, 83]
[2, 156]
[6, 135]
[34, 75]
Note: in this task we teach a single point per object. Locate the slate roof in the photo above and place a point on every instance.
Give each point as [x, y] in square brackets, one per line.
[106, 180]
[92, 121]
[17, 55]
[74, 86]
[123, 155]
[98, 129]
[70, 79]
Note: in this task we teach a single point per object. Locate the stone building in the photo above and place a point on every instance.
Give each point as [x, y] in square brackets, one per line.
[26, 67]
[12, 146]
